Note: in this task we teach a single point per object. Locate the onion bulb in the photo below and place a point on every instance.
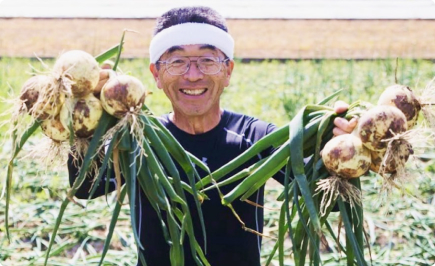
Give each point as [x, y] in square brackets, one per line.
[404, 99]
[54, 129]
[81, 68]
[36, 94]
[30, 90]
[379, 124]
[377, 158]
[84, 114]
[122, 94]
[394, 160]
[345, 156]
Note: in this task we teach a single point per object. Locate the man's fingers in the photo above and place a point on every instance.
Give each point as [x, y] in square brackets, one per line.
[104, 77]
[353, 123]
[342, 126]
[340, 107]
[337, 131]
[341, 123]
[104, 74]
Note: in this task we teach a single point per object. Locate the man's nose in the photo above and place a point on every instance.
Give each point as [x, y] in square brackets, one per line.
[193, 73]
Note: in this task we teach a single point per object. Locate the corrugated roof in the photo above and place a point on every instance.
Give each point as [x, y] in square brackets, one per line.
[244, 9]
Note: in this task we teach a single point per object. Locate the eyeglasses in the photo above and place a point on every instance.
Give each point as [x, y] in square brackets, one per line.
[180, 65]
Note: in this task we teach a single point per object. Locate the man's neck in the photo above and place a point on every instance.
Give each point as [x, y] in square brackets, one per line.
[196, 124]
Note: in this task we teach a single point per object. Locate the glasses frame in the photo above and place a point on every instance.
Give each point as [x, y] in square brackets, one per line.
[196, 61]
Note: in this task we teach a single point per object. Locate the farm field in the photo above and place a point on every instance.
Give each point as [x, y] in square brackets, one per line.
[357, 39]
[400, 226]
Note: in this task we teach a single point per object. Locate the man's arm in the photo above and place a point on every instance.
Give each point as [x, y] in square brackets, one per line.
[85, 189]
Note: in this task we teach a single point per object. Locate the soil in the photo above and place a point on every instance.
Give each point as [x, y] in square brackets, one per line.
[255, 39]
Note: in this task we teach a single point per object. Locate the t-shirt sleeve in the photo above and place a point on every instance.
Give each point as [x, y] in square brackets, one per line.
[83, 192]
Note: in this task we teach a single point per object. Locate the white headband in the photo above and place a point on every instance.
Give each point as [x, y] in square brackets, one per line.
[190, 33]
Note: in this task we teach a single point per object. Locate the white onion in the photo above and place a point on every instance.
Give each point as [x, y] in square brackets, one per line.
[346, 156]
[122, 94]
[81, 68]
[404, 99]
[379, 124]
[54, 129]
[39, 98]
[84, 113]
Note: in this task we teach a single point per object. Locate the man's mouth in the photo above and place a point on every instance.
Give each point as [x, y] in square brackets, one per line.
[193, 92]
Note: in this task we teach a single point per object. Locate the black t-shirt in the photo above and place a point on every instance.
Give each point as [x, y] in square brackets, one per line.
[227, 243]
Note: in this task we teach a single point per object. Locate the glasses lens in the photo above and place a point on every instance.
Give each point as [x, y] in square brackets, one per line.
[209, 65]
[180, 65]
[177, 65]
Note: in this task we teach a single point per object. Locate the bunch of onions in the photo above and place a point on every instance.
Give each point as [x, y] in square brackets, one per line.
[77, 73]
[63, 104]
[387, 130]
[62, 101]
[376, 144]
[72, 80]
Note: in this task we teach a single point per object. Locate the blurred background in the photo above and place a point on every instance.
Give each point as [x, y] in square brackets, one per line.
[296, 29]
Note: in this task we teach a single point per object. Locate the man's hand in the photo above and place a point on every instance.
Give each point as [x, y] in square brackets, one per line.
[104, 77]
[342, 126]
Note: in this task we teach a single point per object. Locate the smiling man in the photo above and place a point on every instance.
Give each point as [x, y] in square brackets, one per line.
[191, 60]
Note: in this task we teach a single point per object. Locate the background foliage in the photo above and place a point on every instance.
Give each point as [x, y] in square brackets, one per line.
[400, 226]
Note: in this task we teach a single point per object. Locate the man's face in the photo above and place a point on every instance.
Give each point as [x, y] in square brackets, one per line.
[193, 93]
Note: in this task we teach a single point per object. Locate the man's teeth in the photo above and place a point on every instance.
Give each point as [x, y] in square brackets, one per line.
[193, 92]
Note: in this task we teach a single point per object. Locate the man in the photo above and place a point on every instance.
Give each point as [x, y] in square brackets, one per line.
[191, 60]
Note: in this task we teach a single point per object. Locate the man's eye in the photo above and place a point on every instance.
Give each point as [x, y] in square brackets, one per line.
[208, 60]
[177, 62]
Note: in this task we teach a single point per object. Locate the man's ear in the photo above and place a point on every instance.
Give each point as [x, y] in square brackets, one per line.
[155, 72]
[229, 71]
